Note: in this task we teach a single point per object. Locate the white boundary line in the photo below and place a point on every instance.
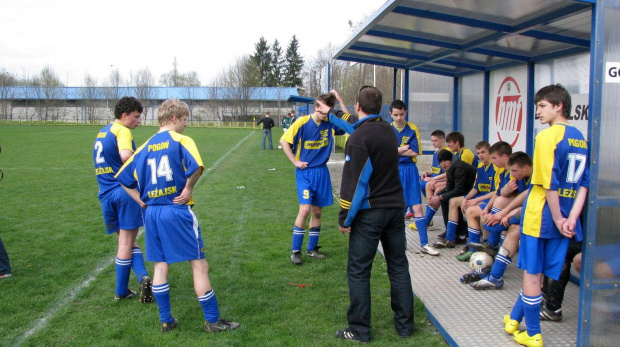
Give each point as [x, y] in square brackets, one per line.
[68, 297]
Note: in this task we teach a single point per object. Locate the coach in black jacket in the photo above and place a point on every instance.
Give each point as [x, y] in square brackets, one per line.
[372, 205]
[460, 180]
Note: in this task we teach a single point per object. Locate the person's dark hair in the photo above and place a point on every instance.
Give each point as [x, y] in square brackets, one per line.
[501, 148]
[127, 104]
[439, 133]
[556, 94]
[369, 99]
[521, 159]
[327, 99]
[398, 104]
[456, 136]
[483, 144]
[444, 155]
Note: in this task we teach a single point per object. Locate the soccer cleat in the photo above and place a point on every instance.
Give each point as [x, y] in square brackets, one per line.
[471, 277]
[315, 253]
[130, 294]
[522, 338]
[460, 240]
[409, 215]
[221, 325]
[169, 326]
[464, 256]
[347, 334]
[5, 275]
[428, 249]
[510, 325]
[483, 247]
[442, 235]
[487, 282]
[547, 314]
[296, 258]
[444, 244]
[146, 290]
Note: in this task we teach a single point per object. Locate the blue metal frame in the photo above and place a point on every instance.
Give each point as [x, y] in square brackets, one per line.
[486, 107]
[529, 135]
[456, 124]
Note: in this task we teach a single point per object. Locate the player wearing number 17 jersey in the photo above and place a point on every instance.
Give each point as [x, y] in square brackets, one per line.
[161, 176]
[113, 146]
[552, 207]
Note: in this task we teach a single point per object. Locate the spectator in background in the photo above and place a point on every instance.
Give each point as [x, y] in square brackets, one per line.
[5, 264]
[268, 123]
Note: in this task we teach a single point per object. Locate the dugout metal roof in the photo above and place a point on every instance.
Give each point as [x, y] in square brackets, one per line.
[462, 37]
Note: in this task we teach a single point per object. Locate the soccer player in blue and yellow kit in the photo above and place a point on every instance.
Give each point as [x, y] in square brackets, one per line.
[436, 178]
[308, 144]
[113, 146]
[409, 147]
[557, 193]
[161, 176]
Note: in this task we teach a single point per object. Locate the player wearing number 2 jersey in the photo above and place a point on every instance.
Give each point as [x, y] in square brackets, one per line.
[113, 146]
[552, 207]
[161, 176]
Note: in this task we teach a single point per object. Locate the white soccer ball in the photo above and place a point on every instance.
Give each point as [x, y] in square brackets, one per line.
[480, 260]
[280, 147]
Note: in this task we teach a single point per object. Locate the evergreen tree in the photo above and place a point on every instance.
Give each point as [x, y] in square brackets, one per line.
[277, 65]
[262, 59]
[294, 65]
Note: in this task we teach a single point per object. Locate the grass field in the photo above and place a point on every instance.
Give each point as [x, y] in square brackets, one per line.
[63, 274]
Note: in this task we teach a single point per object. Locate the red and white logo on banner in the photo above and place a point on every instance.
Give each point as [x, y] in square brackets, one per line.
[509, 111]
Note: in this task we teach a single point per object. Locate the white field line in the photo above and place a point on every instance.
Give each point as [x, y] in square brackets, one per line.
[72, 294]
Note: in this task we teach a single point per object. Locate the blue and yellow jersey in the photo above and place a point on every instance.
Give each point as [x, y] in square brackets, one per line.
[503, 176]
[311, 141]
[467, 156]
[408, 135]
[160, 167]
[110, 141]
[485, 176]
[435, 167]
[561, 164]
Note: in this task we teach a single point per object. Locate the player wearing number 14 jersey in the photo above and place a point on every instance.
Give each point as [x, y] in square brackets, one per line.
[161, 176]
[558, 189]
[113, 146]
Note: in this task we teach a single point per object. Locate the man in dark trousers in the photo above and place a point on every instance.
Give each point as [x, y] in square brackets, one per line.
[370, 178]
[460, 178]
[268, 123]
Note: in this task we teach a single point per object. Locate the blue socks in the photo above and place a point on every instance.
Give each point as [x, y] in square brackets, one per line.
[298, 238]
[313, 238]
[531, 306]
[517, 312]
[451, 230]
[123, 270]
[209, 306]
[162, 296]
[428, 216]
[499, 266]
[474, 236]
[137, 263]
[420, 223]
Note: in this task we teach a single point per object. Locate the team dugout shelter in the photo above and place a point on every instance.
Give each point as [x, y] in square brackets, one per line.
[474, 66]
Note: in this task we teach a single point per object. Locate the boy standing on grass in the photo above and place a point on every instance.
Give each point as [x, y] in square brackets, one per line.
[161, 176]
[556, 197]
[409, 147]
[308, 145]
[114, 145]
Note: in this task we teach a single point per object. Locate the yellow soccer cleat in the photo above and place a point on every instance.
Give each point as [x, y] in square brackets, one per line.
[522, 338]
[510, 325]
[414, 227]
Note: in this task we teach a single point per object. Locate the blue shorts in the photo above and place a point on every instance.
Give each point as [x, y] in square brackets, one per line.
[608, 255]
[120, 211]
[410, 179]
[423, 187]
[544, 256]
[172, 234]
[314, 186]
[483, 204]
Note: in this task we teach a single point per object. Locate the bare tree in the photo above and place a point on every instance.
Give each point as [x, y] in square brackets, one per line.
[144, 82]
[90, 95]
[240, 79]
[49, 94]
[7, 91]
[190, 91]
[112, 92]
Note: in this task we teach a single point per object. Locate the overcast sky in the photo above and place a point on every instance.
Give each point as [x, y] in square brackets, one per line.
[76, 37]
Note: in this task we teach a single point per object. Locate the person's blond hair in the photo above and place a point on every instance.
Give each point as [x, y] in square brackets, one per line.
[171, 108]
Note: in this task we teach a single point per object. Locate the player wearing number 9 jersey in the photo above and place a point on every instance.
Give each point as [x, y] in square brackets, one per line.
[552, 207]
[113, 146]
[161, 176]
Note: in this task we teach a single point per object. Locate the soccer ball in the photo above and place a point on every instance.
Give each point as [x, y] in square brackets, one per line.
[280, 147]
[480, 260]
